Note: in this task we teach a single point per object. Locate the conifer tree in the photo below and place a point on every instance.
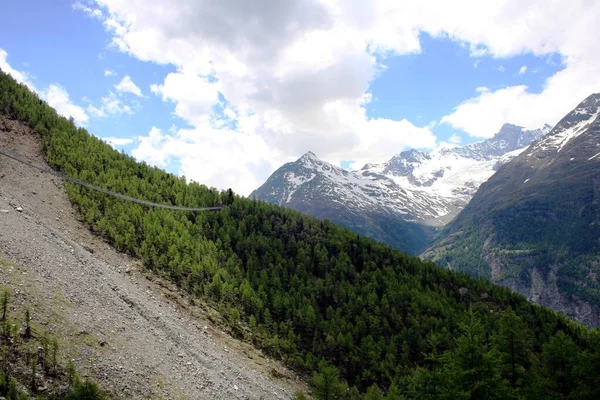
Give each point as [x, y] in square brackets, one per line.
[327, 383]
[514, 344]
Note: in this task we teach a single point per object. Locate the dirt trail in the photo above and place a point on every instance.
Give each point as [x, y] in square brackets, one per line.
[135, 337]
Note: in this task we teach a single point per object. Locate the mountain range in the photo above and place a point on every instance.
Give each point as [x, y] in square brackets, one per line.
[534, 226]
[400, 202]
[356, 315]
[521, 209]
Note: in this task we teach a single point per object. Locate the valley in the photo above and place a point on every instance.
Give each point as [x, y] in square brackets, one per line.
[334, 313]
[533, 226]
[402, 202]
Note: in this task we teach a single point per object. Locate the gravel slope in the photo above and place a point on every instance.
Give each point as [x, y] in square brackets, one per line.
[138, 338]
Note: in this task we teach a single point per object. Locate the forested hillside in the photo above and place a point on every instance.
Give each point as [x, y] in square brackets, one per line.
[534, 225]
[360, 316]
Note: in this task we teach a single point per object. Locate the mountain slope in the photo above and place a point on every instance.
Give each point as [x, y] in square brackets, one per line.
[320, 298]
[455, 173]
[534, 225]
[365, 202]
[128, 332]
[397, 202]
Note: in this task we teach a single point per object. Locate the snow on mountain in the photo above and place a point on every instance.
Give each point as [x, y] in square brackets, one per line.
[400, 201]
[537, 208]
[570, 127]
[310, 178]
[453, 174]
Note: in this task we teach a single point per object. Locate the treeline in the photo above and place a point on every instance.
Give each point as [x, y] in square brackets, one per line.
[363, 317]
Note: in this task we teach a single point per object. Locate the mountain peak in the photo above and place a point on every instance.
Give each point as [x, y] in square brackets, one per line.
[574, 124]
[593, 98]
[508, 125]
[588, 106]
[309, 155]
[508, 132]
[412, 155]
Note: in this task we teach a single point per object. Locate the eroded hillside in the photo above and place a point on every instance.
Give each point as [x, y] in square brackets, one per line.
[138, 338]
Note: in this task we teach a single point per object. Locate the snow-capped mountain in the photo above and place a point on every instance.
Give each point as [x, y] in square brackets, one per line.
[455, 173]
[365, 202]
[402, 197]
[311, 178]
[573, 125]
[534, 225]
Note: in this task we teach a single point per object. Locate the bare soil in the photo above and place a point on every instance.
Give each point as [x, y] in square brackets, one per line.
[136, 337]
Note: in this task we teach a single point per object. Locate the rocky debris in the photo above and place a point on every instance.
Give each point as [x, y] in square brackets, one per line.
[123, 331]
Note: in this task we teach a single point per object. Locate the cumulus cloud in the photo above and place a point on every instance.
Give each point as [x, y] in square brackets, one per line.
[523, 70]
[126, 85]
[194, 95]
[92, 12]
[58, 97]
[109, 72]
[55, 95]
[115, 141]
[213, 168]
[292, 76]
[110, 105]
[19, 76]
[295, 75]
[455, 139]
[544, 28]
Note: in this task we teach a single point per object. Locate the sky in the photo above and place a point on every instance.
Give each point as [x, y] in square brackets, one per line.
[226, 92]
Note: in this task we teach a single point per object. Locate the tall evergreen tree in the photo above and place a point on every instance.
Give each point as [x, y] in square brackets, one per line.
[327, 385]
[514, 344]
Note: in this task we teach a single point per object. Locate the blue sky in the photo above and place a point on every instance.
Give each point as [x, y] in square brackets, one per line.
[197, 88]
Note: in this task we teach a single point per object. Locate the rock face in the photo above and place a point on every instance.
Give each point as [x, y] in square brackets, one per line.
[400, 202]
[534, 226]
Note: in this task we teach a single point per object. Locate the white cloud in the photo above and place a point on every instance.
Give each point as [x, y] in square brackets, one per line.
[218, 168]
[296, 74]
[523, 70]
[544, 28]
[19, 76]
[501, 68]
[92, 12]
[58, 97]
[296, 79]
[126, 85]
[55, 95]
[109, 72]
[455, 139]
[115, 141]
[483, 115]
[194, 96]
[111, 105]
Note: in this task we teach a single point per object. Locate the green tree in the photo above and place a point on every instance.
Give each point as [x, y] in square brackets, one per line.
[4, 301]
[514, 344]
[327, 385]
[559, 356]
[473, 363]
[587, 370]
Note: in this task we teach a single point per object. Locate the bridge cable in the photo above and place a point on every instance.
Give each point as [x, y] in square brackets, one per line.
[106, 191]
